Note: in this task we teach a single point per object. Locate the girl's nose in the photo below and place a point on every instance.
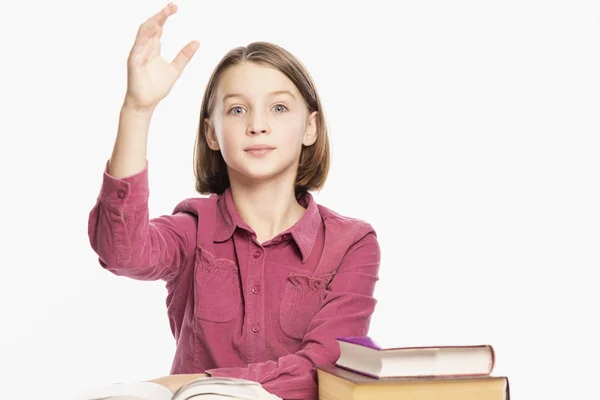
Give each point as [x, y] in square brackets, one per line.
[257, 125]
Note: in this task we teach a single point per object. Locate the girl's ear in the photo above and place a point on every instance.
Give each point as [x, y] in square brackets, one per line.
[310, 134]
[209, 133]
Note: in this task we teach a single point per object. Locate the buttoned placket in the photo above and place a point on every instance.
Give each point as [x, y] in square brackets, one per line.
[254, 299]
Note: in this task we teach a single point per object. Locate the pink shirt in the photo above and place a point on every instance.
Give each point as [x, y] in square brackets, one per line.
[266, 312]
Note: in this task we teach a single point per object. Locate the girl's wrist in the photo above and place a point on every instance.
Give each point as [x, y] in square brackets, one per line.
[174, 382]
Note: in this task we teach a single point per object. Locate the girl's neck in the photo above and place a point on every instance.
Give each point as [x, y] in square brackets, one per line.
[269, 207]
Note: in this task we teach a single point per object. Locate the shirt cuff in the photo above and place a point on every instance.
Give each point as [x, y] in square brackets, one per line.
[116, 192]
[241, 373]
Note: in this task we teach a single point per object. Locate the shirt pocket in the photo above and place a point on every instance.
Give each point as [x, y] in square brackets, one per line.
[302, 298]
[217, 292]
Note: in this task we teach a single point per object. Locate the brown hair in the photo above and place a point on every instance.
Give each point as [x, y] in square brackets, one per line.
[209, 166]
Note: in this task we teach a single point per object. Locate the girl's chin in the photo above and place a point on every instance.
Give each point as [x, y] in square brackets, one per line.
[261, 175]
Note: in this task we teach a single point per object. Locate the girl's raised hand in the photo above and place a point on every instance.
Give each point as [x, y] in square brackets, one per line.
[149, 76]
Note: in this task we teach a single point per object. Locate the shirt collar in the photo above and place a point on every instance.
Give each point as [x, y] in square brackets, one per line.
[304, 232]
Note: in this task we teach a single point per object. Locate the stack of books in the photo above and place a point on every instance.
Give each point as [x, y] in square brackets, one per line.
[366, 370]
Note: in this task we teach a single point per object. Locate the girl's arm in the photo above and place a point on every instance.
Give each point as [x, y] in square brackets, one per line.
[127, 241]
[129, 152]
[119, 229]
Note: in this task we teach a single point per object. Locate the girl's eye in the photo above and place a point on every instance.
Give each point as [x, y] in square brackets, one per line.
[280, 108]
[235, 110]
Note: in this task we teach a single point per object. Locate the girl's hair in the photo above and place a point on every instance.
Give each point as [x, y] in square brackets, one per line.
[209, 166]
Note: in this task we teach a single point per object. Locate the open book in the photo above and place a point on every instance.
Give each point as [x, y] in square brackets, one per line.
[203, 388]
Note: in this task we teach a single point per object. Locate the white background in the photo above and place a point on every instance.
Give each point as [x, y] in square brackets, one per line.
[466, 133]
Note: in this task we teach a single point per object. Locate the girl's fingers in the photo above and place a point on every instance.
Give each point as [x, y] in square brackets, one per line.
[150, 26]
[160, 17]
[144, 47]
[185, 55]
[142, 42]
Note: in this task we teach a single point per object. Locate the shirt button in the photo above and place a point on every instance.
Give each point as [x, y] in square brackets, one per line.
[257, 254]
[121, 193]
[286, 236]
[255, 289]
[255, 328]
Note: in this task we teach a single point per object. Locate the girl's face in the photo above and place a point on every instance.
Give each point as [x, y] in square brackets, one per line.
[259, 122]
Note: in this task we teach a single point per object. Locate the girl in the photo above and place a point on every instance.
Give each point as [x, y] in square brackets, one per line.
[261, 280]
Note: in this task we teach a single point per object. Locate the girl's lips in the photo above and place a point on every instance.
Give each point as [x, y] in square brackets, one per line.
[259, 151]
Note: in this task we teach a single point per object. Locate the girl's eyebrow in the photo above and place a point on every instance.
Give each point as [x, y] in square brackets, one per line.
[277, 92]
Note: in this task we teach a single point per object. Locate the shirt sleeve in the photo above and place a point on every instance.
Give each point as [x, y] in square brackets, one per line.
[127, 241]
[346, 311]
